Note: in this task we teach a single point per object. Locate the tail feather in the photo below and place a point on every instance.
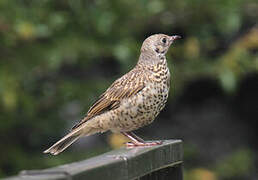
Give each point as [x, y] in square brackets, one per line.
[62, 144]
[89, 128]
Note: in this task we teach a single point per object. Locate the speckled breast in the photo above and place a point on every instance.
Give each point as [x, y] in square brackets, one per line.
[144, 107]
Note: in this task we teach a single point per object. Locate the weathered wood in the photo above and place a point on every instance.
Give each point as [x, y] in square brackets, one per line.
[156, 162]
[169, 173]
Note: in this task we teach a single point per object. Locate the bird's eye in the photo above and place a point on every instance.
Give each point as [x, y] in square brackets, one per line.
[164, 40]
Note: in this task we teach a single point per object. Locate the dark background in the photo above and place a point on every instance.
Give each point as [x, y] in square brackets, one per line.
[57, 57]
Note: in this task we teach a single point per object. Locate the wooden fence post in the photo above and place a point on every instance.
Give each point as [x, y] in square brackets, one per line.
[163, 162]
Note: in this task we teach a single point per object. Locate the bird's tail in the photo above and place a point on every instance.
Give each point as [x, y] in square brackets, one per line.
[88, 128]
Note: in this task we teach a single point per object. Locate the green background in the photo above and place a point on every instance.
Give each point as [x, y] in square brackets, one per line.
[57, 57]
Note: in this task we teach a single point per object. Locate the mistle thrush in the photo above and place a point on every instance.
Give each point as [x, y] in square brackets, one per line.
[132, 101]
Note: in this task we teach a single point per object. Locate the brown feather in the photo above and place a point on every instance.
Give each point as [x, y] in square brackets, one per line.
[109, 100]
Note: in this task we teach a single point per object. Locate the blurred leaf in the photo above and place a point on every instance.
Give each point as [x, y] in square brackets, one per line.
[238, 164]
[192, 48]
[117, 140]
[228, 80]
[26, 30]
[200, 174]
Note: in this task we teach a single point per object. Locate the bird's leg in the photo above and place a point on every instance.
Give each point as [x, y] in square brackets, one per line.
[133, 136]
[137, 141]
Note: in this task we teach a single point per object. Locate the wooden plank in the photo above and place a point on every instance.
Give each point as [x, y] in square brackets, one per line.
[168, 173]
[121, 164]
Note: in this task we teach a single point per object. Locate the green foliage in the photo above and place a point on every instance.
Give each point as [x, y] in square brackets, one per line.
[54, 53]
[236, 165]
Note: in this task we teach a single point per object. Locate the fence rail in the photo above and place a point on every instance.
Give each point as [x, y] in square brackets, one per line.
[161, 162]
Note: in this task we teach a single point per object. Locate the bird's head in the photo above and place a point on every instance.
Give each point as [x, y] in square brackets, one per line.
[158, 43]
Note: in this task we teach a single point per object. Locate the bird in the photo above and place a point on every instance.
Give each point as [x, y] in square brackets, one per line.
[132, 101]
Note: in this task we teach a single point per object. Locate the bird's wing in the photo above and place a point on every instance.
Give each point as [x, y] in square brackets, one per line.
[122, 88]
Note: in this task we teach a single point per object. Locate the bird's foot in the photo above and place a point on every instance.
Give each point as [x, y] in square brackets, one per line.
[142, 144]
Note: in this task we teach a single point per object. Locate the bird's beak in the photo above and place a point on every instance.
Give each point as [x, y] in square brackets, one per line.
[172, 38]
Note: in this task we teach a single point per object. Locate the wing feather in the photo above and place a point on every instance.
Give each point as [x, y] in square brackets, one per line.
[111, 99]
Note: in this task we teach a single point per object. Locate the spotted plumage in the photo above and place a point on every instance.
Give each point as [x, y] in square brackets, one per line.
[132, 101]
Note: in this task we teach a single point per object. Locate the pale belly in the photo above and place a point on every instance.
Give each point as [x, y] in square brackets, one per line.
[139, 110]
